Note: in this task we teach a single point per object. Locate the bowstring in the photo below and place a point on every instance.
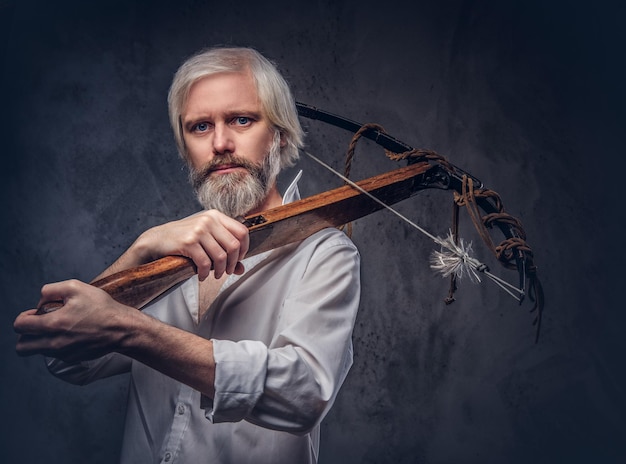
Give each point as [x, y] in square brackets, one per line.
[459, 252]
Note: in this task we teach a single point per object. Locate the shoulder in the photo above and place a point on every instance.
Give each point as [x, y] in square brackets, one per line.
[328, 238]
[329, 245]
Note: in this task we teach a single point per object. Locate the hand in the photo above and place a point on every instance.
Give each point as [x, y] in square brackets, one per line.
[88, 325]
[211, 239]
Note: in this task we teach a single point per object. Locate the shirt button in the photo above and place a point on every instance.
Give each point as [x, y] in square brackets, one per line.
[167, 457]
[181, 409]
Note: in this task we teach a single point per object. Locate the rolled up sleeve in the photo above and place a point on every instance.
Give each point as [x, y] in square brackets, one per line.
[240, 373]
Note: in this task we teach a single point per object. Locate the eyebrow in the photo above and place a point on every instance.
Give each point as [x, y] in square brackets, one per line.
[228, 115]
[248, 113]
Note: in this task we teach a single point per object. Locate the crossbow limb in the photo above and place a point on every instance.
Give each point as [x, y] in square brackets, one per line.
[513, 252]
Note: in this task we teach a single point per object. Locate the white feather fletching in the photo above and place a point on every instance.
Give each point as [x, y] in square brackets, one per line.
[455, 259]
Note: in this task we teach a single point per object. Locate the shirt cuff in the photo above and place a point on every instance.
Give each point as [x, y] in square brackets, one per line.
[240, 370]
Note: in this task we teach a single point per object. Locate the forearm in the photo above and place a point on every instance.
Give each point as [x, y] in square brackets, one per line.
[176, 353]
[136, 255]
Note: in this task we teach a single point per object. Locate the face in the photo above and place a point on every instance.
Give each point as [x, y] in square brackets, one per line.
[229, 142]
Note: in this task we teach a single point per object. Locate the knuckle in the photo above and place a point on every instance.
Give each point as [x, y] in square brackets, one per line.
[232, 245]
[241, 233]
[208, 217]
[221, 255]
[187, 240]
[204, 262]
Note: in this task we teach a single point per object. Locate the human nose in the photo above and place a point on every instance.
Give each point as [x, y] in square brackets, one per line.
[222, 140]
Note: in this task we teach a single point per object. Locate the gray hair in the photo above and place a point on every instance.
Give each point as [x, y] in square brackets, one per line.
[274, 93]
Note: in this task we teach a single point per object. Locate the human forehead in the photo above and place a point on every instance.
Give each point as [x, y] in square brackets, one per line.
[222, 92]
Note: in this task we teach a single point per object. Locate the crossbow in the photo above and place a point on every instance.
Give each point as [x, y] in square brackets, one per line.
[296, 221]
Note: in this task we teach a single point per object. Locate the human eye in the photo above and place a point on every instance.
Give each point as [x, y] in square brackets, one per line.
[242, 121]
[200, 127]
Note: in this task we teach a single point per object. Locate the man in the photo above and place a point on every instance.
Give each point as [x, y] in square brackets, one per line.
[241, 362]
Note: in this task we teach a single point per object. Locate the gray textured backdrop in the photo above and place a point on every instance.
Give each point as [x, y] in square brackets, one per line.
[526, 95]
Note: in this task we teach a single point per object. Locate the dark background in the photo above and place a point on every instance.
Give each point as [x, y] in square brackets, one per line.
[526, 95]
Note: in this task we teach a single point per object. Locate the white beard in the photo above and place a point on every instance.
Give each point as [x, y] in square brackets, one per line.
[237, 193]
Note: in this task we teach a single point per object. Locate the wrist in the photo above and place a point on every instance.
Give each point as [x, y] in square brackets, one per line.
[135, 330]
[140, 252]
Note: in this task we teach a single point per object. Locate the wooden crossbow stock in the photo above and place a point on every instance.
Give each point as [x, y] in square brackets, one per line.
[296, 221]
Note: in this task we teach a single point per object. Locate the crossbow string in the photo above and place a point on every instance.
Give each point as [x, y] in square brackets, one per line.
[454, 260]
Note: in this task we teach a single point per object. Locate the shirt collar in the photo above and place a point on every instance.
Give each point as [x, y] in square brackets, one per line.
[292, 193]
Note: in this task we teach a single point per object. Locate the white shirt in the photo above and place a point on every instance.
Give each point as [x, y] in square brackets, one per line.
[282, 337]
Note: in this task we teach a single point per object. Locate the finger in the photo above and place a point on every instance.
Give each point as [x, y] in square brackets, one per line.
[28, 345]
[197, 240]
[242, 233]
[245, 244]
[231, 247]
[200, 257]
[218, 256]
[225, 245]
[49, 306]
[22, 323]
[239, 246]
[47, 345]
[59, 291]
[239, 268]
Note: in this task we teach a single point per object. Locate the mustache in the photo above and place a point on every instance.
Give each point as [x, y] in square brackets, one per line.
[198, 176]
